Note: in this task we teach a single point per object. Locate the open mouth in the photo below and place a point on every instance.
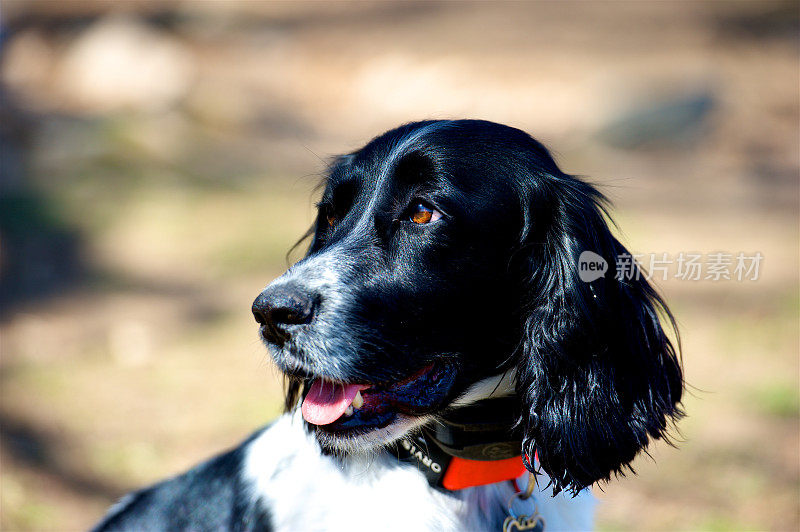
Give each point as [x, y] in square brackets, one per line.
[341, 408]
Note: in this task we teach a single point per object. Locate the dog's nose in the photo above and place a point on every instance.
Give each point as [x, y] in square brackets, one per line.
[281, 306]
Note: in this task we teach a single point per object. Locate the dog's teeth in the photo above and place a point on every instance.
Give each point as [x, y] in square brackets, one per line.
[358, 400]
[349, 411]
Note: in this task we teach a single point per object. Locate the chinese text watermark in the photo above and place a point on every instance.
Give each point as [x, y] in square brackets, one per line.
[686, 266]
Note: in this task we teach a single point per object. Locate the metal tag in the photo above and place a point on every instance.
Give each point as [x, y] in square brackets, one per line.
[523, 522]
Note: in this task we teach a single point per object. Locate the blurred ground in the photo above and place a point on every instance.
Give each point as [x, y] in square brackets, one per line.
[159, 159]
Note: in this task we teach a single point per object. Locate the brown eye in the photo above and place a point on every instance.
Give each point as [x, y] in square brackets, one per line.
[422, 214]
[331, 220]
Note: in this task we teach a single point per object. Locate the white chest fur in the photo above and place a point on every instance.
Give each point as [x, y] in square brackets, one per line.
[306, 490]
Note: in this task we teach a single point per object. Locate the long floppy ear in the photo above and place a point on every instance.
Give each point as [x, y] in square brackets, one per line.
[597, 374]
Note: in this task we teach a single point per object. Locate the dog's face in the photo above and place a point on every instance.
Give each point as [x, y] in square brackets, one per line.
[406, 287]
[444, 254]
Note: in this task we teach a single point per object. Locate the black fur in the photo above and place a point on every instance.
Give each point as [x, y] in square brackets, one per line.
[211, 496]
[497, 287]
[492, 287]
[595, 368]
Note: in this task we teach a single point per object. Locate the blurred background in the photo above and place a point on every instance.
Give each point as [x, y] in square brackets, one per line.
[158, 159]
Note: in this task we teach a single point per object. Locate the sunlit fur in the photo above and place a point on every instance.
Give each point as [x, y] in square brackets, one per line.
[592, 363]
[490, 292]
[305, 489]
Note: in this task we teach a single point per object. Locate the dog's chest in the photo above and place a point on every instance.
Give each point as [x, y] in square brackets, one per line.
[305, 490]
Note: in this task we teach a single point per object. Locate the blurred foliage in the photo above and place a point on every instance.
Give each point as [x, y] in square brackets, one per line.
[40, 251]
[780, 400]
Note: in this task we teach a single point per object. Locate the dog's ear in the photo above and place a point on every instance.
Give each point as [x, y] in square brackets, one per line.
[597, 373]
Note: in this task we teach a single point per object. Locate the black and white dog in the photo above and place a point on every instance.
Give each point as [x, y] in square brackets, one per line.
[439, 341]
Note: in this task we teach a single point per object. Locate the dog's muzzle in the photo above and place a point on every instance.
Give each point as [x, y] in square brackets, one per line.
[279, 309]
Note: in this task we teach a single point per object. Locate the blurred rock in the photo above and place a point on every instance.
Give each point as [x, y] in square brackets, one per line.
[761, 20]
[120, 63]
[668, 122]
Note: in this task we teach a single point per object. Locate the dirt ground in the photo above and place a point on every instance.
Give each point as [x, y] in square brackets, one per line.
[159, 159]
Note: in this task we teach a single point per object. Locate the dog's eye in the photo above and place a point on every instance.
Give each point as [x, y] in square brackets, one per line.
[331, 220]
[421, 213]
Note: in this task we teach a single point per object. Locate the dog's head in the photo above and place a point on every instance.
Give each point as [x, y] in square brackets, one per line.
[444, 257]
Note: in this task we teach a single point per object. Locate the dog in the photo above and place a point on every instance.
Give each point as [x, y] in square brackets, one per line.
[447, 368]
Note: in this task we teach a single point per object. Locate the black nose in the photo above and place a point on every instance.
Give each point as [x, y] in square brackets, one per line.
[278, 308]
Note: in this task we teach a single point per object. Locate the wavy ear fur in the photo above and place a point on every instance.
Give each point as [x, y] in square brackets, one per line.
[597, 374]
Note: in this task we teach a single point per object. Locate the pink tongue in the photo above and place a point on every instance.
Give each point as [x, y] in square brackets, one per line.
[327, 401]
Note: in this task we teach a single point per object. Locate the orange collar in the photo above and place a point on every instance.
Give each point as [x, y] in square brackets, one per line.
[462, 473]
[450, 473]
[470, 446]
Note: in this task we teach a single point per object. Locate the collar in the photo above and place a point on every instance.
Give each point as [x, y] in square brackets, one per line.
[471, 446]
